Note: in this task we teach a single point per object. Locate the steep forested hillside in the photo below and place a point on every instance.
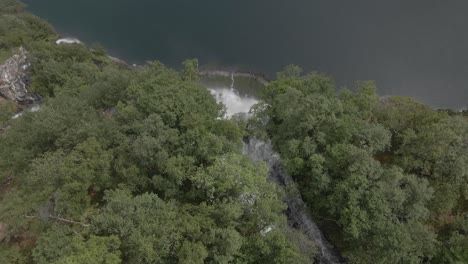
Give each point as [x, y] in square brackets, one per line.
[126, 165]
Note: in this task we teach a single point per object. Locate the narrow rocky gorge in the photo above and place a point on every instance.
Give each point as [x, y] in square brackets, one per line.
[298, 217]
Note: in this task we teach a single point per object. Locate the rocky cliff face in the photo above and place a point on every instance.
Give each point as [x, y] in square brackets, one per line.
[14, 79]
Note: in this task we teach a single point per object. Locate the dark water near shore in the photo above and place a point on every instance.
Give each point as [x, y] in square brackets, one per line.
[417, 48]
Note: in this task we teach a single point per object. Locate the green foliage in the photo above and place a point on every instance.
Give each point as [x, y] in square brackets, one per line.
[74, 68]
[21, 29]
[130, 166]
[382, 171]
[148, 227]
[278, 249]
[11, 6]
[5, 55]
[290, 71]
[232, 204]
[7, 109]
[162, 91]
[190, 72]
[457, 249]
[63, 245]
[456, 242]
[11, 255]
[137, 166]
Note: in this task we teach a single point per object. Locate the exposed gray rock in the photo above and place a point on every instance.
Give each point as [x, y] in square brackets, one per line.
[119, 61]
[298, 216]
[14, 79]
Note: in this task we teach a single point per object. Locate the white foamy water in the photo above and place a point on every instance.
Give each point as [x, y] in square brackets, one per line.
[234, 103]
[33, 109]
[68, 41]
[17, 115]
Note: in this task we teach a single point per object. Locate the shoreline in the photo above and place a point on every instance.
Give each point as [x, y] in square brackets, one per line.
[258, 76]
[223, 71]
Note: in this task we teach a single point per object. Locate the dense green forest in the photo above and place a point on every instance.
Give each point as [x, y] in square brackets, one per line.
[387, 178]
[125, 165]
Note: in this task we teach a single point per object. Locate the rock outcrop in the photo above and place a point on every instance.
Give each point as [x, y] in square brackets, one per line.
[14, 79]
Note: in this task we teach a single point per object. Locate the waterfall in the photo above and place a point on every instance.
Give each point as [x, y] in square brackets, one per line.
[225, 92]
[297, 214]
[33, 108]
[232, 83]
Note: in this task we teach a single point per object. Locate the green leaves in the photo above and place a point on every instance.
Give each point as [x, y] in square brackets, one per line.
[146, 225]
[379, 170]
[133, 166]
[7, 110]
[190, 72]
[160, 90]
[231, 201]
[63, 245]
[11, 6]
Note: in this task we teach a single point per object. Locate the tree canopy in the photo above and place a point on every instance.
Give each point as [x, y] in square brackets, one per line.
[385, 177]
[125, 165]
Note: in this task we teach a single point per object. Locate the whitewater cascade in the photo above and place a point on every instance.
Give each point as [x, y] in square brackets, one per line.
[32, 109]
[68, 41]
[228, 95]
[298, 217]
[232, 83]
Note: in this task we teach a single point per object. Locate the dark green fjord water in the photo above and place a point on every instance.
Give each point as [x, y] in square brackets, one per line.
[416, 48]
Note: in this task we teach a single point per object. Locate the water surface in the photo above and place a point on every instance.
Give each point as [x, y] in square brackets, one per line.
[416, 48]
